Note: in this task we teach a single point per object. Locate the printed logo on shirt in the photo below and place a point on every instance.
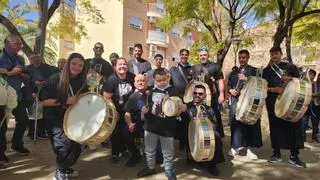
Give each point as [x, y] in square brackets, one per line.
[157, 99]
[124, 89]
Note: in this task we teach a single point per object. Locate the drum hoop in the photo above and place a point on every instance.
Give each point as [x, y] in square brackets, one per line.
[65, 126]
[293, 115]
[199, 157]
[173, 98]
[246, 117]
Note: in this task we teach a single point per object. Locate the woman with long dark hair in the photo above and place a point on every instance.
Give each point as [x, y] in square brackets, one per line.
[57, 94]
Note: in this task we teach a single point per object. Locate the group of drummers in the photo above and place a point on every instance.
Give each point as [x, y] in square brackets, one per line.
[90, 101]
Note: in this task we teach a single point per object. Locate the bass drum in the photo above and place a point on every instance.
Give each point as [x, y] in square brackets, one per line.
[188, 94]
[91, 120]
[201, 139]
[171, 106]
[294, 101]
[251, 100]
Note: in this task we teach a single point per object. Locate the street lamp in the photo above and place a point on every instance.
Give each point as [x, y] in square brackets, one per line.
[235, 45]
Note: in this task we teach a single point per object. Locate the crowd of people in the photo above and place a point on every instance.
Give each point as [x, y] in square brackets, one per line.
[137, 91]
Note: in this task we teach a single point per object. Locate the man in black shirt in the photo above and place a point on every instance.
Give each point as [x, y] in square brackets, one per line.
[283, 134]
[98, 64]
[214, 78]
[138, 65]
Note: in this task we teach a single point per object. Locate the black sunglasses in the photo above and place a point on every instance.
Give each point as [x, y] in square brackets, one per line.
[98, 47]
[199, 93]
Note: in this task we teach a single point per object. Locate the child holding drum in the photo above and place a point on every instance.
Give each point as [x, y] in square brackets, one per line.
[158, 126]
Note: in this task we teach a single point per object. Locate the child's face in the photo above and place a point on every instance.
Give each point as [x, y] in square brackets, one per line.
[161, 80]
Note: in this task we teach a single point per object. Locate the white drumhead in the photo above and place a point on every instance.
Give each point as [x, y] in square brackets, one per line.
[86, 117]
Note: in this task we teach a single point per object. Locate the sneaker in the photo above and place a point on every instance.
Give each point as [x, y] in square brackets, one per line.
[170, 175]
[72, 173]
[275, 158]
[4, 160]
[296, 162]
[213, 170]
[22, 151]
[251, 155]
[233, 152]
[146, 172]
[133, 160]
[59, 175]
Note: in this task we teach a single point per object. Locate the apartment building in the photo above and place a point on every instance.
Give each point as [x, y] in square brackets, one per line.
[129, 22]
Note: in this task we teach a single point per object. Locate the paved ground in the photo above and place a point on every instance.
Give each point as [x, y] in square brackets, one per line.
[95, 164]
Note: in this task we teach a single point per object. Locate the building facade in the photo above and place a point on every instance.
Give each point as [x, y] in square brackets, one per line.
[129, 22]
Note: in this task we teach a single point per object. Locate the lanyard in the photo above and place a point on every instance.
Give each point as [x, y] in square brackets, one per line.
[280, 73]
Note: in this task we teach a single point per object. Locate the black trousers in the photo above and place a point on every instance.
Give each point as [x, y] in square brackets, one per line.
[22, 121]
[129, 137]
[67, 151]
[41, 131]
[117, 139]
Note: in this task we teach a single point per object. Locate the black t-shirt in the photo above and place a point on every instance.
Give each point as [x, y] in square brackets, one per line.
[156, 121]
[97, 63]
[121, 89]
[134, 105]
[273, 79]
[55, 114]
[210, 70]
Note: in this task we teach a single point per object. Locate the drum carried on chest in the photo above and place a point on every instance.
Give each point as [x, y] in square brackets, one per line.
[91, 120]
[294, 101]
[251, 100]
[171, 106]
[201, 139]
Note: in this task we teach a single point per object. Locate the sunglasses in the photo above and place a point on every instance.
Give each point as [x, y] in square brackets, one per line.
[98, 47]
[199, 93]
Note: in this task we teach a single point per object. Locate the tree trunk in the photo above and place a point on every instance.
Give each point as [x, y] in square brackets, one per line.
[288, 44]
[13, 30]
[37, 42]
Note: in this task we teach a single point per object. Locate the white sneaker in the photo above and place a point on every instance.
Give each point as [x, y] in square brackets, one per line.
[233, 152]
[251, 155]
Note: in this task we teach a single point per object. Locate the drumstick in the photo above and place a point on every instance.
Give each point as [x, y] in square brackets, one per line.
[147, 97]
[81, 88]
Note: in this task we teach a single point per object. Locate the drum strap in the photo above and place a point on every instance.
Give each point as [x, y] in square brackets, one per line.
[71, 90]
[279, 71]
[182, 74]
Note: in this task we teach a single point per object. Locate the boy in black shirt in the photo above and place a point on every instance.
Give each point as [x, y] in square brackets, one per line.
[158, 126]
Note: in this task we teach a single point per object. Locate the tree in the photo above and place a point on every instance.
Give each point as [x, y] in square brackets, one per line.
[220, 18]
[67, 24]
[286, 13]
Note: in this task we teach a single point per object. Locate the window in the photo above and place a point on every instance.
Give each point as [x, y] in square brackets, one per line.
[176, 32]
[160, 6]
[135, 23]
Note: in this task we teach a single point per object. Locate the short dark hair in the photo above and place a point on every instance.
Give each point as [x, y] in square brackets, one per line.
[113, 55]
[158, 55]
[138, 45]
[200, 86]
[160, 72]
[100, 43]
[244, 51]
[184, 50]
[120, 58]
[275, 49]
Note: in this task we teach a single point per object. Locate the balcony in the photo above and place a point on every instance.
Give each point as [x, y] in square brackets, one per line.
[158, 38]
[155, 10]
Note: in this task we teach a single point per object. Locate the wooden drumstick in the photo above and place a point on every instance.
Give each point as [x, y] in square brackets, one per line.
[147, 97]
